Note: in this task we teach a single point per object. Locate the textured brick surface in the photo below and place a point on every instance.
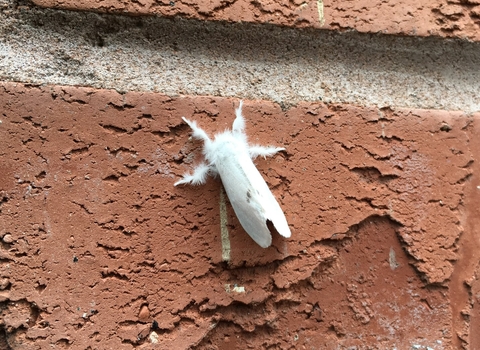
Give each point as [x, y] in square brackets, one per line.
[98, 246]
[291, 13]
[407, 17]
[455, 18]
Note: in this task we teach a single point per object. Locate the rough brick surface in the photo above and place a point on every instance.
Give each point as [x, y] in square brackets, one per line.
[455, 18]
[408, 17]
[291, 13]
[98, 248]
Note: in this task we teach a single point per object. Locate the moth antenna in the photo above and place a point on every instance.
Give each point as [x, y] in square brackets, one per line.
[239, 122]
[198, 133]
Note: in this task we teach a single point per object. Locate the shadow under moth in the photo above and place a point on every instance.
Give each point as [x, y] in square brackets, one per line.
[230, 156]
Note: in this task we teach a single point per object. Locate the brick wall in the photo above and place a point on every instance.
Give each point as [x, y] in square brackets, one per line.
[377, 108]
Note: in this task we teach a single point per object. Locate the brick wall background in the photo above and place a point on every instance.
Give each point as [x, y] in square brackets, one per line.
[377, 106]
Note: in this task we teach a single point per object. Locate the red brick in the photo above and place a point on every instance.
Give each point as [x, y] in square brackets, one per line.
[374, 198]
[406, 17]
[297, 13]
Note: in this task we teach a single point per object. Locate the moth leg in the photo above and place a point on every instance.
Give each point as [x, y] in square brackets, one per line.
[263, 151]
[198, 133]
[239, 122]
[199, 176]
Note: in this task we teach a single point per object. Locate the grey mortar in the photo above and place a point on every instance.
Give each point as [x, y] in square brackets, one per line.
[253, 61]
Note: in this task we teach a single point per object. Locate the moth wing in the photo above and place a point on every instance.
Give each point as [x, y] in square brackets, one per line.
[251, 199]
[273, 212]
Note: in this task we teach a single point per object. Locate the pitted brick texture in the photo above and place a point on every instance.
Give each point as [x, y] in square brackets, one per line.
[290, 13]
[98, 246]
[406, 17]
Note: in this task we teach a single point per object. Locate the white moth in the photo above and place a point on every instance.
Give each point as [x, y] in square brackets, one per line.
[230, 156]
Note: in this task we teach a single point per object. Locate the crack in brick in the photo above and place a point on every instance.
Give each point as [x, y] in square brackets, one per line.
[114, 129]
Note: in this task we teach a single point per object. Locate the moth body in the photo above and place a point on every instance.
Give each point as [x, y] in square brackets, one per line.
[230, 156]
